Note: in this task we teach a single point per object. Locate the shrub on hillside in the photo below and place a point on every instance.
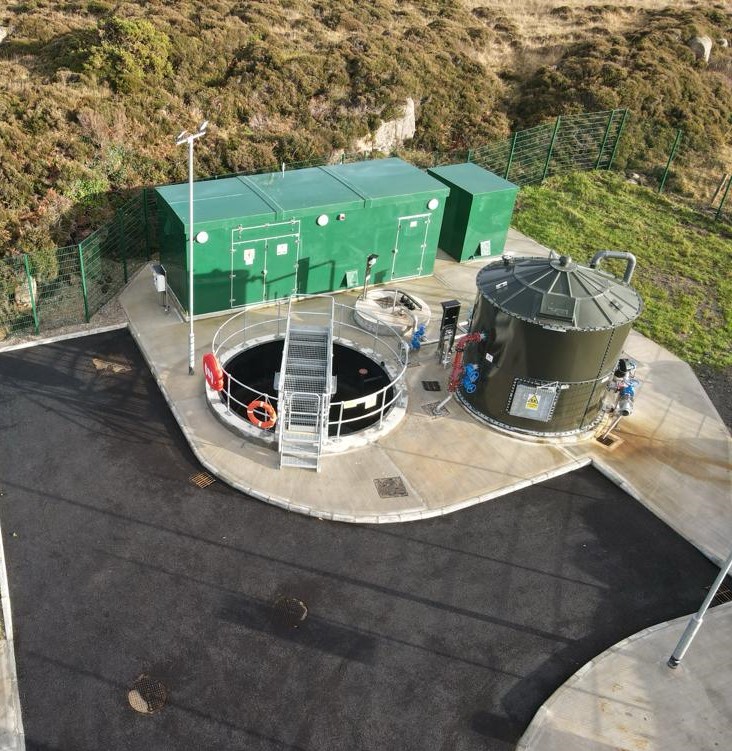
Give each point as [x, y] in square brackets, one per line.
[130, 52]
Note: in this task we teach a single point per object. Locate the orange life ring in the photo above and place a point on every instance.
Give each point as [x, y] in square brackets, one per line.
[267, 408]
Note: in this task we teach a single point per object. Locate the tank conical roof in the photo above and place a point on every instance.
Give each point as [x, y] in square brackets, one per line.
[558, 293]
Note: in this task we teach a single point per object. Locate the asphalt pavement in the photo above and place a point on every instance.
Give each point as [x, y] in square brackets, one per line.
[447, 633]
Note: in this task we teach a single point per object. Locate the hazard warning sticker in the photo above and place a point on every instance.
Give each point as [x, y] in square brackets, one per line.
[532, 402]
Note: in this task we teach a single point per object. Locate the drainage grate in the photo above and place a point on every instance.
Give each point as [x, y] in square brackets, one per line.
[431, 386]
[147, 695]
[609, 441]
[390, 487]
[290, 611]
[724, 594]
[202, 479]
[429, 409]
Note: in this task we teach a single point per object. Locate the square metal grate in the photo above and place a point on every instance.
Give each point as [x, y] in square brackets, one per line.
[609, 442]
[429, 409]
[724, 594]
[390, 487]
[202, 479]
[431, 386]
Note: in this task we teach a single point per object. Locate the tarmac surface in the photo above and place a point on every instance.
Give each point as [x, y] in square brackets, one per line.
[447, 633]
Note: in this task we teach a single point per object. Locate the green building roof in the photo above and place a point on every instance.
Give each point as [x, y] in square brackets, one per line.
[216, 200]
[471, 178]
[383, 178]
[274, 194]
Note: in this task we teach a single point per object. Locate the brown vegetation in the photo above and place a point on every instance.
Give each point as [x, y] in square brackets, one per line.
[92, 92]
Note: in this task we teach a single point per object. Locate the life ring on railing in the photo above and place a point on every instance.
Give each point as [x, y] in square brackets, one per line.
[267, 408]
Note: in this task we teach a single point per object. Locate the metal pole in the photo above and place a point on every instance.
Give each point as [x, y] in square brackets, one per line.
[510, 155]
[189, 138]
[191, 335]
[724, 198]
[146, 220]
[671, 156]
[84, 290]
[551, 148]
[604, 140]
[617, 139]
[29, 280]
[121, 244]
[696, 620]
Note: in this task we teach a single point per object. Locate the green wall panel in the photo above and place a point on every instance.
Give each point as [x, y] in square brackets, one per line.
[479, 209]
[251, 258]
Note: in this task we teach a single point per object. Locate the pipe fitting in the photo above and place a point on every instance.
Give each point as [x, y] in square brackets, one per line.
[623, 255]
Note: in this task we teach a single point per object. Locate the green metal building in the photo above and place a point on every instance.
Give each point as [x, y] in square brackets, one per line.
[305, 231]
[478, 212]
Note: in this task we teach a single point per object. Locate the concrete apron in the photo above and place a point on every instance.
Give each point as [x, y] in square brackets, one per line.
[673, 454]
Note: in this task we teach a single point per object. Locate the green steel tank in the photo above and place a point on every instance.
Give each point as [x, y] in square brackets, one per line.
[553, 333]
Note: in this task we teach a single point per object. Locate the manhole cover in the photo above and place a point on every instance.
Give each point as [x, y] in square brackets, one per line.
[431, 409]
[290, 612]
[390, 487]
[202, 479]
[147, 695]
[431, 386]
[724, 594]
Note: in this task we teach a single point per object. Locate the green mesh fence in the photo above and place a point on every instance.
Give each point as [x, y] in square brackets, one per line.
[573, 142]
[18, 292]
[63, 286]
[40, 292]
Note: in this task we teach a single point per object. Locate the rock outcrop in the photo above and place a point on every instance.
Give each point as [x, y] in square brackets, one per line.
[392, 133]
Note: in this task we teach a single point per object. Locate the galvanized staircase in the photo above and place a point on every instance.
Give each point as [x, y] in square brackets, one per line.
[305, 388]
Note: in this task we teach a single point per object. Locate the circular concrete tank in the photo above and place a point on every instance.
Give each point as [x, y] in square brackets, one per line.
[357, 377]
[554, 331]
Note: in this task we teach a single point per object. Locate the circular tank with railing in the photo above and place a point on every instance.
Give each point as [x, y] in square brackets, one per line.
[368, 396]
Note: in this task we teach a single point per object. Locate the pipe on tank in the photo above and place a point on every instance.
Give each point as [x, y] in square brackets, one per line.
[629, 257]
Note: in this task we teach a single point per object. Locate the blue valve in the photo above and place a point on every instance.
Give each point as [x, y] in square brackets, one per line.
[418, 337]
[471, 374]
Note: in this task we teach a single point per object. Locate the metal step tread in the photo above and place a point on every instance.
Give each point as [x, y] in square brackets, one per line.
[299, 461]
[299, 449]
[305, 385]
[310, 439]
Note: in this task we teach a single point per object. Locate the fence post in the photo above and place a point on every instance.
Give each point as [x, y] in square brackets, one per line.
[510, 155]
[120, 238]
[551, 148]
[470, 155]
[724, 198]
[604, 139]
[29, 281]
[84, 290]
[146, 219]
[671, 156]
[617, 139]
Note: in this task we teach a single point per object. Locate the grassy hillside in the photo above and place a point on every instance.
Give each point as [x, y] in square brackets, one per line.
[93, 91]
[684, 271]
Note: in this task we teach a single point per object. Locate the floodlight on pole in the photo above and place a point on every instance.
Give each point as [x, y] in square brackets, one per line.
[185, 137]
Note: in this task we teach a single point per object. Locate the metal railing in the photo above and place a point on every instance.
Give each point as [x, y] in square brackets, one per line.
[237, 335]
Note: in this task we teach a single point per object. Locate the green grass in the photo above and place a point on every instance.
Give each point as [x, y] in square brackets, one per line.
[684, 271]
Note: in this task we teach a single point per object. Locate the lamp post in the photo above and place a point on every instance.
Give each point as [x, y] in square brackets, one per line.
[695, 621]
[370, 261]
[189, 138]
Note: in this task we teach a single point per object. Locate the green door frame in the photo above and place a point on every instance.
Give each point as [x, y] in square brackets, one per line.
[261, 238]
[395, 252]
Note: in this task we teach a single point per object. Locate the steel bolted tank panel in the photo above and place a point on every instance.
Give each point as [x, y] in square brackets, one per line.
[539, 374]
